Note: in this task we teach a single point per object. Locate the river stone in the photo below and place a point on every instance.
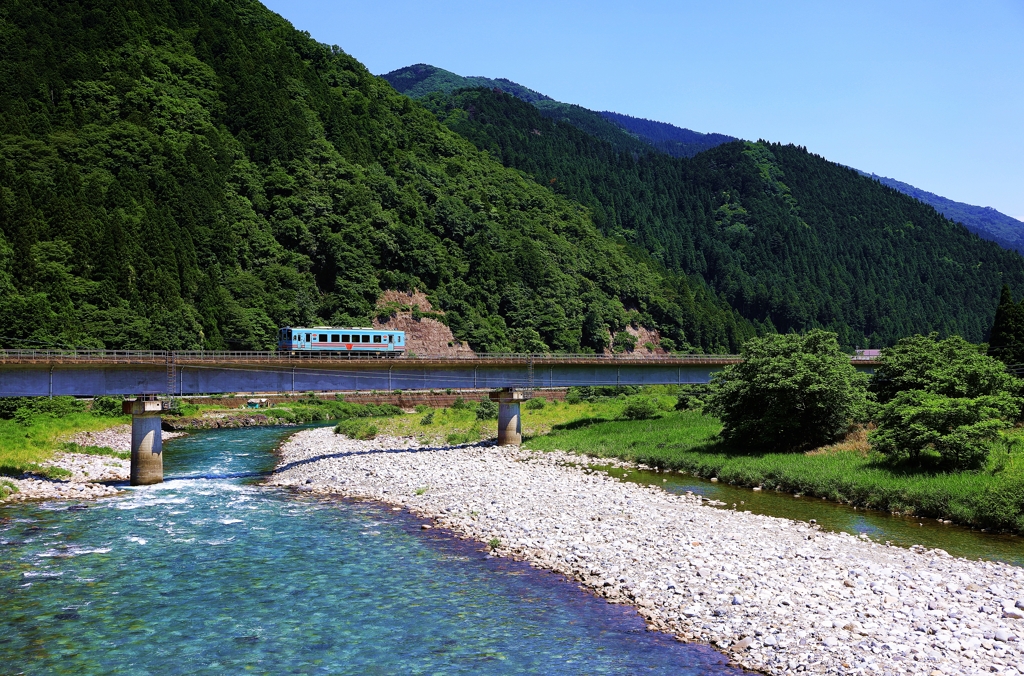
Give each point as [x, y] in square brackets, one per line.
[685, 560]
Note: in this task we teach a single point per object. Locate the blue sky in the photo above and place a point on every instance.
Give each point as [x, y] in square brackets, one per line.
[930, 93]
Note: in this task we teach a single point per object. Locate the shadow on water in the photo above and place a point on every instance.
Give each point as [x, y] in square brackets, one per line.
[879, 526]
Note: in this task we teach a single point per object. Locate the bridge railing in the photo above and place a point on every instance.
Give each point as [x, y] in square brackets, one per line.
[272, 356]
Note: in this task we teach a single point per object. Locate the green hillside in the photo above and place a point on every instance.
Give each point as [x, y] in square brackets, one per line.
[196, 173]
[790, 239]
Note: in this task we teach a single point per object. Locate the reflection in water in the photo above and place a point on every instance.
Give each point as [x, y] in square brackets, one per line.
[212, 573]
[882, 526]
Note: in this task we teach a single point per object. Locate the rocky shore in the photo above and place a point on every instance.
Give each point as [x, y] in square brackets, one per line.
[779, 596]
[90, 474]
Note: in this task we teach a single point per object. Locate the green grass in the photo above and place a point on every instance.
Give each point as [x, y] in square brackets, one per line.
[686, 441]
[23, 447]
[460, 426]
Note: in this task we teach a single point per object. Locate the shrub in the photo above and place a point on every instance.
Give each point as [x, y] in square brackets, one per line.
[667, 344]
[23, 416]
[355, 428]
[109, 407]
[960, 429]
[624, 340]
[573, 396]
[428, 419]
[422, 408]
[486, 410]
[789, 392]
[460, 404]
[640, 408]
[535, 404]
[951, 367]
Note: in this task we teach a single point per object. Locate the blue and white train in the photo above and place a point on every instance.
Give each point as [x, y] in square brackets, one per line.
[355, 342]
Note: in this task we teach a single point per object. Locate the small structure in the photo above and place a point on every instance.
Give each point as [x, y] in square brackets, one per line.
[147, 461]
[509, 427]
[257, 403]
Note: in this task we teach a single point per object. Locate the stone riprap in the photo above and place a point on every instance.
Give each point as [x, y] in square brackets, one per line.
[778, 595]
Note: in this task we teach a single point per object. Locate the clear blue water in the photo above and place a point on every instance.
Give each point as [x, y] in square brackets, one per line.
[212, 573]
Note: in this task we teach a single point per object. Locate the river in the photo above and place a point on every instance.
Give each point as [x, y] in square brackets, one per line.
[211, 572]
[904, 531]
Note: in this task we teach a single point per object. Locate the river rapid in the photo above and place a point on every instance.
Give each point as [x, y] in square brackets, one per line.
[212, 572]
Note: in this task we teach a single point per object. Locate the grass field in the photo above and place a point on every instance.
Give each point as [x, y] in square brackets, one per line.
[686, 441]
[23, 446]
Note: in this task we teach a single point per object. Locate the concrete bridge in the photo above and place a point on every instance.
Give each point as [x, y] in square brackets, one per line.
[147, 375]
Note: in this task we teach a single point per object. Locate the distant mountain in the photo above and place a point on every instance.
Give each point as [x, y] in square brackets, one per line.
[418, 80]
[668, 138]
[621, 131]
[985, 222]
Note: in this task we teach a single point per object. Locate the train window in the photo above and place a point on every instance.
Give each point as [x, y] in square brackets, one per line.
[376, 339]
[391, 339]
[345, 338]
[366, 339]
[334, 338]
[307, 337]
[288, 335]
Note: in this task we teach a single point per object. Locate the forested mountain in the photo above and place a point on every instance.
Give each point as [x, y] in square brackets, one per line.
[986, 222]
[668, 138]
[194, 173]
[621, 131]
[792, 240]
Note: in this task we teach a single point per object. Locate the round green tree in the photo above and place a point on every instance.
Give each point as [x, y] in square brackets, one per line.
[789, 392]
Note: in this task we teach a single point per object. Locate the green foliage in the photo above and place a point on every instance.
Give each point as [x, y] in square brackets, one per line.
[535, 404]
[106, 406]
[688, 442]
[460, 404]
[428, 419]
[943, 395]
[356, 429]
[1007, 338]
[23, 408]
[790, 392]
[960, 429]
[9, 487]
[95, 450]
[786, 238]
[640, 408]
[194, 174]
[952, 367]
[486, 410]
[577, 394]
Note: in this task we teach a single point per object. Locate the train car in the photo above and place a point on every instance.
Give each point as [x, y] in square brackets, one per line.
[351, 341]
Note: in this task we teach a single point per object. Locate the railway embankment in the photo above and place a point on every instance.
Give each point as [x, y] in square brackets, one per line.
[777, 595]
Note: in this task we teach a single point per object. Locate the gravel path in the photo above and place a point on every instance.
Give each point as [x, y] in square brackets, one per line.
[780, 596]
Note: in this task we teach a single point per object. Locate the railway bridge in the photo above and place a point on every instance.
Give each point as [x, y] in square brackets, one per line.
[149, 375]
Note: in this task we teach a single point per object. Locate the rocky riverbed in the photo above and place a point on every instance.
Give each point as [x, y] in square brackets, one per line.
[779, 596]
[90, 474]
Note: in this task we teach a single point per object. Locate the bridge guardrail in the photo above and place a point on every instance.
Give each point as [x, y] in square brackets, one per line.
[163, 356]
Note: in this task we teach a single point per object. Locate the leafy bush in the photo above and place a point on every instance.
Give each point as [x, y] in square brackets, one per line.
[789, 392]
[422, 408]
[428, 419]
[486, 410]
[943, 395]
[535, 404]
[460, 404]
[667, 344]
[951, 367]
[23, 416]
[573, 396]
[356, 429]
[640, 408]
[960, 429]
[109, 407]
[6, 488]
[56, 407]
[576, 395]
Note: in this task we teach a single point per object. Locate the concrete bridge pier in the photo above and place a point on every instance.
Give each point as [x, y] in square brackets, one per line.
[147, 441]
[509, 427]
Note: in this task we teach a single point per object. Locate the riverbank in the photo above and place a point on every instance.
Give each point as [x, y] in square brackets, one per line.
[74, 475]
[776, 594]
[687, 441]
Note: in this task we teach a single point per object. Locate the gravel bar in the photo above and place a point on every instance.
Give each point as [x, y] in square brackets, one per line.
[779, 596]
